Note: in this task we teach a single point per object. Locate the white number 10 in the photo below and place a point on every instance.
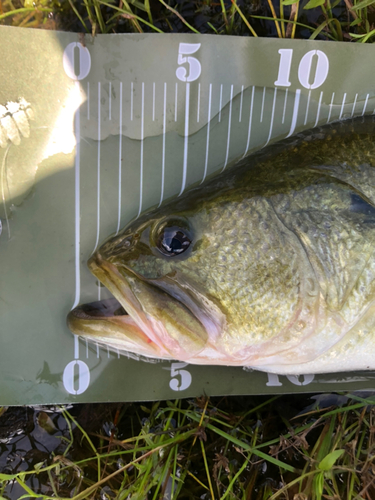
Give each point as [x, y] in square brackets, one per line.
[304, 69]
[185, 49]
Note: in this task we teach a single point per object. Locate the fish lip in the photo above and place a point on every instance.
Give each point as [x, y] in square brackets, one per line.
[108, 274]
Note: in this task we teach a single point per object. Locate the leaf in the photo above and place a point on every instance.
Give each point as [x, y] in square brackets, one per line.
[313, 3]
[320, 28]
[318, 485]
[289, 2]
[363, 38]
[363, 4]
[7, 477]
[356, 35]
[330, 459]
[21, 477]
[38, 466]
[356, 21]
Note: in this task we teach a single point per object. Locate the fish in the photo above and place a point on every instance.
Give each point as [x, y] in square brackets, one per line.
[269, 265]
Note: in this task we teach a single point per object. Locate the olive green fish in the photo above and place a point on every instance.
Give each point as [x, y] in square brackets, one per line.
[270, 265]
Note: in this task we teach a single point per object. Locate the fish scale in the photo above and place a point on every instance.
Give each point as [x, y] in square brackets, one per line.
[326, 246]
[225, 278]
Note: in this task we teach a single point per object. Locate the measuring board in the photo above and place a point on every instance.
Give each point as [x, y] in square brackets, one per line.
[94, 132]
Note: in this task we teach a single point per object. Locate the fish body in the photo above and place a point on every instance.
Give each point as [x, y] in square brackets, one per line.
[269, 265]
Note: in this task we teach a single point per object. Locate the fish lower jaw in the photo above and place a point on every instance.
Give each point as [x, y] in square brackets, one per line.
[107, 323]
[118, 333]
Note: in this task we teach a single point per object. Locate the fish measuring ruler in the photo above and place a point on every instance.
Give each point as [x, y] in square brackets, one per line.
[139, 129]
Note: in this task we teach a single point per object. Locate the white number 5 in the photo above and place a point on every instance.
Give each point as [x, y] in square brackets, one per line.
[185, 49]
[179, 385]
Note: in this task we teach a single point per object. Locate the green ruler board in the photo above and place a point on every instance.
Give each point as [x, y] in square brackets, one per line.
[95, 131]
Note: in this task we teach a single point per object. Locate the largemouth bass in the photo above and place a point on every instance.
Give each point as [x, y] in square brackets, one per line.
[270, 265]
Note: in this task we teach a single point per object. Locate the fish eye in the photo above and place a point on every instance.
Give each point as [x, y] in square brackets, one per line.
[172, 237]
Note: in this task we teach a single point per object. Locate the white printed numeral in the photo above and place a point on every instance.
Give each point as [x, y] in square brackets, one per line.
[79, 370]
[69, 55]
[184, 382]
[304, 69]
[185, 49]
[273, 379]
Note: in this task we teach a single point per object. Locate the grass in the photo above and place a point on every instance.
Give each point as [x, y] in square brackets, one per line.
[233, 448]
[340, 20]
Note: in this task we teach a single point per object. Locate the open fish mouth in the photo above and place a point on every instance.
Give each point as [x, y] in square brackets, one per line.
[100, 309]
[141, 317]
[108, 322]
[91, 320]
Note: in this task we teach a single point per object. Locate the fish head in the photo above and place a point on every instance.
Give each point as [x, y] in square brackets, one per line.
[156, 311]
[207, 280]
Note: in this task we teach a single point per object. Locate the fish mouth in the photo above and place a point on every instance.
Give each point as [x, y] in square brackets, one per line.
[100, 309]
[141, 318]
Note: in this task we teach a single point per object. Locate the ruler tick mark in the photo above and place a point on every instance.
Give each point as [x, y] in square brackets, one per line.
[208, 132]
[229, 126]
[262, 109]
[110, 101]
[77, 204]
[153, 101]
[186, 138]
[198, 101]
[307, 107]
[365, 105]
[88, 100]
[163, 153]
[342, 106]
[241, 102]
[330, 107]
[221, 101]
[318, 112]
[131, 101]
[295, 112]
[354, 103]
[119, 164]
[272, 117]
[250, 120]
[76, 347]
[98, 173]
[141, 159]
[285, 101]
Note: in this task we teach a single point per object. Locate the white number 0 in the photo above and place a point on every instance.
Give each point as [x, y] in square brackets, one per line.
[194, 65]
[179, 385]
